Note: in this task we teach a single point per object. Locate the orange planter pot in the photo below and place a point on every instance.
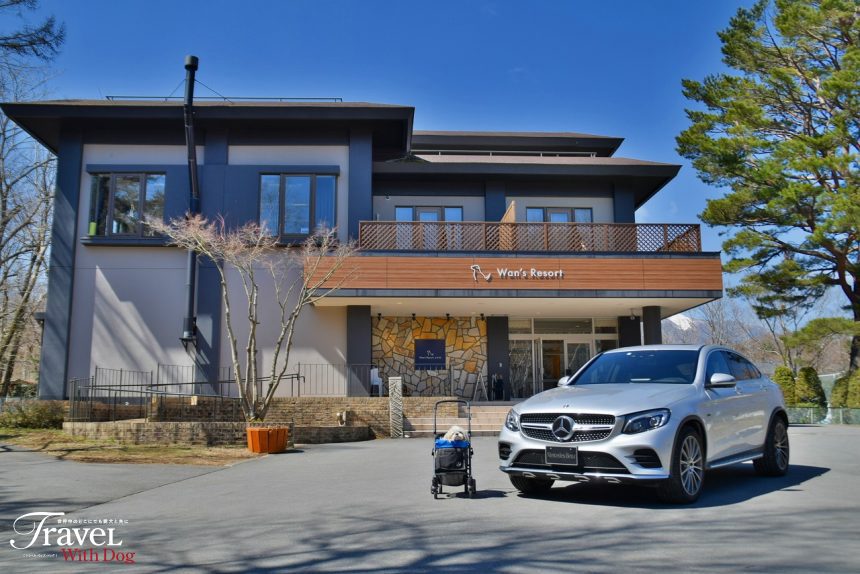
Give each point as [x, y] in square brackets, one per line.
[264, 439]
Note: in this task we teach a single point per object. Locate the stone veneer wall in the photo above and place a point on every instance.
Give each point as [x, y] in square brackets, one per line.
[371, 412]
[204, 433]
[393, 351]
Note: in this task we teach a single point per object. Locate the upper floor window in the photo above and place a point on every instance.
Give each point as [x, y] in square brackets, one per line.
[123, 203]
[297, 204]
[417, 213]
[559, 214]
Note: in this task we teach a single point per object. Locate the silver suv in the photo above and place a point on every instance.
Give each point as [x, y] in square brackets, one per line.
[658, 414]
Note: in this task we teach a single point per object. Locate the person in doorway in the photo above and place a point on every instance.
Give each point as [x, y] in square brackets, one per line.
[568, 375]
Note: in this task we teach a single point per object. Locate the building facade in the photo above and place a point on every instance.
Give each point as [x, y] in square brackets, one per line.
[486, 261]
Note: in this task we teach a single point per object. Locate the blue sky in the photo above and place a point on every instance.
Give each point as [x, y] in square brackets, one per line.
[607, 67]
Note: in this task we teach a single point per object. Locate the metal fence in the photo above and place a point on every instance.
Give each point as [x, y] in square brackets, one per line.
[821, 415]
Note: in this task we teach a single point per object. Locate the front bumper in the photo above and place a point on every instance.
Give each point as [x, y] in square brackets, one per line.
[615, 459]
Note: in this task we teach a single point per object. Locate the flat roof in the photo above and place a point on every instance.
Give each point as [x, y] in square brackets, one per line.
[515, 141]
[391, 124]
[645, 178]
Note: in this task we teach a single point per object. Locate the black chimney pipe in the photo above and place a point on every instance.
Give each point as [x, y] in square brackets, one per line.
[189, 323]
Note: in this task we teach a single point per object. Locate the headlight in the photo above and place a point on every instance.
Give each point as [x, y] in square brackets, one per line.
[641, 422]
[512, 423]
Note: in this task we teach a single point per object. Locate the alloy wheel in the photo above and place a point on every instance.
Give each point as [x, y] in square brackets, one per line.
[780, 446]
[692, 469]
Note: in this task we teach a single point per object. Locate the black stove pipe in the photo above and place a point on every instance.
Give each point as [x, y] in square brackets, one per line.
[189, 323]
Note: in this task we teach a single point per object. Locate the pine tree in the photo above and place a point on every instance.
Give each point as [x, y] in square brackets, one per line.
[782, 134]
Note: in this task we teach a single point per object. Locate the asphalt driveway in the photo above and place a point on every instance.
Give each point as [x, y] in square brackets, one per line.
[366, 507]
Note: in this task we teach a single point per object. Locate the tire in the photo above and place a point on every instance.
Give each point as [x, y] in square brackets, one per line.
[531, 486]
[776, 450]
[435, 488]
[687, 472]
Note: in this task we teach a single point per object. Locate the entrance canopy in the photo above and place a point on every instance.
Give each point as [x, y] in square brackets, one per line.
[548, 306]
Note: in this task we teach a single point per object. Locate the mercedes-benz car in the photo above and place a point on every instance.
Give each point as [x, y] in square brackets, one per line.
[655, 414]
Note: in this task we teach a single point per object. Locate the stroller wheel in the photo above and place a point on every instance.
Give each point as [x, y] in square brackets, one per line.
[473, 487]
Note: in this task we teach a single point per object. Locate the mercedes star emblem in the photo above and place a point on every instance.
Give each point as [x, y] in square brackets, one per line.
[562, 428]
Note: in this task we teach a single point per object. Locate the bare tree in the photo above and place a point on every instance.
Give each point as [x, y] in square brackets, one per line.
[301, 276]
[26, 201]
[41, 41]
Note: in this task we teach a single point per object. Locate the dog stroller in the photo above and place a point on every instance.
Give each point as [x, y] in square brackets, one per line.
[452, 459]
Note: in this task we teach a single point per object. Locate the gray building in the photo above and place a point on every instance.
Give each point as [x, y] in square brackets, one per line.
[520, 251]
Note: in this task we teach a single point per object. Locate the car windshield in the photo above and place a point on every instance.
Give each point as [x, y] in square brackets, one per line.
[668, 367]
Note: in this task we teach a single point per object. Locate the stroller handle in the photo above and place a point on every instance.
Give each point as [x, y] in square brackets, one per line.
[458, 401]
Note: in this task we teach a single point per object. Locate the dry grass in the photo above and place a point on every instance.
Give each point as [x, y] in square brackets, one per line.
[57, 443]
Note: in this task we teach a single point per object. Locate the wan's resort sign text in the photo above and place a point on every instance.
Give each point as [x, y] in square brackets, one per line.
[521, 273]
[530, 273]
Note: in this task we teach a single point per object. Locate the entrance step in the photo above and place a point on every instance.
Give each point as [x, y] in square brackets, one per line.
[483, 423]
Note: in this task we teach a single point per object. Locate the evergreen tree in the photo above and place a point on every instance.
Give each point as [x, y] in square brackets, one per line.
[808, 391]
[782, 134]
[852, 398]
[839, 393]
[785, 379]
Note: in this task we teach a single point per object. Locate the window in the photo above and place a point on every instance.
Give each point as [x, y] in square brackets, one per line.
[716, 364]
[556, 326]
[122, 203]
[297, 204]
[559, 214]
[428, 214]
[741, 369]
[668, 367]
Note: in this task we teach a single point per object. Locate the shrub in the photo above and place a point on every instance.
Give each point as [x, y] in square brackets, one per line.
[839, 393]
[852, 394]
[32, 414]
[808, 391]
[783, 377]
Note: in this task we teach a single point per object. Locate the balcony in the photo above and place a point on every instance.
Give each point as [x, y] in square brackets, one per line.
[495, 236]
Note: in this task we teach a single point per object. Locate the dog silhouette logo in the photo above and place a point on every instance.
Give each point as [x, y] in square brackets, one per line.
[476, 269]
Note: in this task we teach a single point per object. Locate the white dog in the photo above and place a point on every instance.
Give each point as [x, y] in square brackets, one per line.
[455, 433]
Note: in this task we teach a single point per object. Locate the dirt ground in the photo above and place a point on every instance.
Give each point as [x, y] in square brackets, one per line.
[56, 443]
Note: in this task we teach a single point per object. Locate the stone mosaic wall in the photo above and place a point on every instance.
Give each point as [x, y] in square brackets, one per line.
[465, 338]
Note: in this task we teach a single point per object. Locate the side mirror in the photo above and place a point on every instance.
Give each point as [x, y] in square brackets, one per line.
[720, 381]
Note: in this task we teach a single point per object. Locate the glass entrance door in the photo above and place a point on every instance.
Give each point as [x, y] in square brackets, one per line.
[577, 355]
[552, 355]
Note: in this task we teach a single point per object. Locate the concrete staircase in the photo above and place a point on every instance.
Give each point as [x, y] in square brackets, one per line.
[487, 420]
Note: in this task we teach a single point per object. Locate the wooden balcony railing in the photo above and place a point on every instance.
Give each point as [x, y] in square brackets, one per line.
[478, 236]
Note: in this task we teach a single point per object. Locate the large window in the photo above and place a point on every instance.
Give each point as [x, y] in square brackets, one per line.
[297, 205]
[559, 214]
[428, 214]
[121, 204]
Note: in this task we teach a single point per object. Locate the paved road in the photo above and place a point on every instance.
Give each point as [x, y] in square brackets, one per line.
[366, 507]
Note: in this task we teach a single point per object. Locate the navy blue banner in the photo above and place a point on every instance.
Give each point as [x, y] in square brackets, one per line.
[429, 354]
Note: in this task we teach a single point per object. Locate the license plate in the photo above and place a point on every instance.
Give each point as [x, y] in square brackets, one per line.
[562, 455]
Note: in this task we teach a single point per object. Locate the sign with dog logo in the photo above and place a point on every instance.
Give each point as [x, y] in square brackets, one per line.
[429, 354]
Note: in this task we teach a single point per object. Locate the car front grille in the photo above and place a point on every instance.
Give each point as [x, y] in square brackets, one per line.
[546, 434]
[539, 426]
[588, 462]
[583, 419]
